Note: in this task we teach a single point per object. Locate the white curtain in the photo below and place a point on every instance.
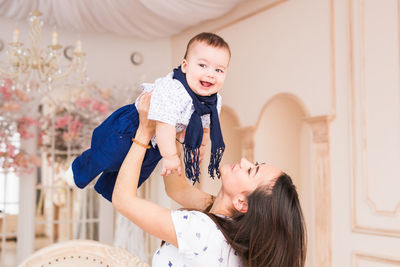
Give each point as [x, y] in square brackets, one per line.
[131, 237]
[147, 19]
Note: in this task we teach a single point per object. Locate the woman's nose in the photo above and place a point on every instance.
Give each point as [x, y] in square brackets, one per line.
[244, 163]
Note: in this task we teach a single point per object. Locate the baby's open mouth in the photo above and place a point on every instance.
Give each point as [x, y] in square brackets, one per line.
[206, 84]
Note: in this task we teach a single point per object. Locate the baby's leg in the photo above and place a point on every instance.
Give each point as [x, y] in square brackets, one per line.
[105, 184]
[85, 169]
[109, 146]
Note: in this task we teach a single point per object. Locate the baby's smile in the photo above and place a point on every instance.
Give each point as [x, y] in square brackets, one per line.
[206, 84]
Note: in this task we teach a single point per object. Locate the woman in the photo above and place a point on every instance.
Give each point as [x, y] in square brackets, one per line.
[255, 220]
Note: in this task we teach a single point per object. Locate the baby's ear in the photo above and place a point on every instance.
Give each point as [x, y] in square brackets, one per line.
[184, 65]
[240, 203]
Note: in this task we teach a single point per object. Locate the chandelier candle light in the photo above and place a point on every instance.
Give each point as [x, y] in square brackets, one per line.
[37, 65]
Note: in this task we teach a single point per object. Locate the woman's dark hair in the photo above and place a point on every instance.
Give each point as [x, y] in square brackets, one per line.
[272, 232]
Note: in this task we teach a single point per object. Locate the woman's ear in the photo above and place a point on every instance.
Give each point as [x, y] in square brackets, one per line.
[184, 66]
[240, 203]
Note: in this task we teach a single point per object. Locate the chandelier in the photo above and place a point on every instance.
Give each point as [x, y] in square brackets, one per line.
[32, 67]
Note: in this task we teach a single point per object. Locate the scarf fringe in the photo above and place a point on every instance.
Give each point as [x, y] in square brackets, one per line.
[215, 160]
[192, 166]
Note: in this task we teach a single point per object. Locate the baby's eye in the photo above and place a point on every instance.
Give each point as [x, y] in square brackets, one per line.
[219, 70]
[249, 170]
[202, 65]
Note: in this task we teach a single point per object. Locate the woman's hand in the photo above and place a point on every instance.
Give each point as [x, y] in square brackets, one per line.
[151, 217]
[146, 127]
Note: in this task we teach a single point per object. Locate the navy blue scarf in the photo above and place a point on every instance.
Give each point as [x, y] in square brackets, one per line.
[194, 132]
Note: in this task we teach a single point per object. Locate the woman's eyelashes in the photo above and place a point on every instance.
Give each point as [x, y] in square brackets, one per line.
[249, 170]
[256, 165]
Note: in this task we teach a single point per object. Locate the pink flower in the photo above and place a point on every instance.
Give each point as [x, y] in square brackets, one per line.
[63, 121]
[6, 91]
[10, 149]
[28, 121]
[99, 107]
[8, 82]
[75, 126]
[23, 124]
[83, 103]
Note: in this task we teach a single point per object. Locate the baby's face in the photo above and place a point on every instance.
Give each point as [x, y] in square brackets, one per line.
[206, 68]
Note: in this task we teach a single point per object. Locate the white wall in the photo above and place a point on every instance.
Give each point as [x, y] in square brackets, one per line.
[270, 51]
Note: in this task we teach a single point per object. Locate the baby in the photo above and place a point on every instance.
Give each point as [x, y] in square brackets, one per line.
[186, 99]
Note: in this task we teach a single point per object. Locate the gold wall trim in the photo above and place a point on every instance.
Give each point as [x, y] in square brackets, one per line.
[356, 227]
[357, 256]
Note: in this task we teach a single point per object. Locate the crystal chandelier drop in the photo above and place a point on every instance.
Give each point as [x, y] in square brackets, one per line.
[35, 67]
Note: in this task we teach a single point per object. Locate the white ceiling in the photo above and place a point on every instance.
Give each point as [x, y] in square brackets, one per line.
[147, 19]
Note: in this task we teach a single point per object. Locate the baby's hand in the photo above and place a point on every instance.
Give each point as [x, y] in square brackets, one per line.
[170, 164]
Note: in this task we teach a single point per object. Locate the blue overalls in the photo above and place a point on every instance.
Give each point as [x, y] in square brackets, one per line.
[111, 141]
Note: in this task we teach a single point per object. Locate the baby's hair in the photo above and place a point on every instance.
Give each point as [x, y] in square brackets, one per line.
[209, 38]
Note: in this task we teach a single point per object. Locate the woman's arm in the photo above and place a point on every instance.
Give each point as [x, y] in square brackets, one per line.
[152, 218]
[190, 197]
[178, 188]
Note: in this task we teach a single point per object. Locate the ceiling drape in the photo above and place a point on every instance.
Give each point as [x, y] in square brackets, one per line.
[147, 19]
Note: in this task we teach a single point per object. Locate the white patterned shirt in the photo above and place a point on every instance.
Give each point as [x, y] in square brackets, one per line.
[200, 243]
[170, 103]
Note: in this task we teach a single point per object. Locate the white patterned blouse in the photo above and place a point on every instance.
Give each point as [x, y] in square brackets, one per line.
[200, 243]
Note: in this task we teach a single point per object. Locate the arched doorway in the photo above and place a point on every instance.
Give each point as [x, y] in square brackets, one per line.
[283, 138]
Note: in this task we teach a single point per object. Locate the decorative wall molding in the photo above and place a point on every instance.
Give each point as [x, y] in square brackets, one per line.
[320, 128]
[358, 125]
[358, 257]
[322, 189]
